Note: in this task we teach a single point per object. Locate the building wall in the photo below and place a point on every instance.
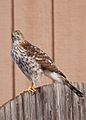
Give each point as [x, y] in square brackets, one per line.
[56, 26]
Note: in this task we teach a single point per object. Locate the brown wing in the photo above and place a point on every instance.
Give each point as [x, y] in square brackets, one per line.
[41, 57]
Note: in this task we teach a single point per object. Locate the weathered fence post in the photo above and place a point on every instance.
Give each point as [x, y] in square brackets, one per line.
[51, 102]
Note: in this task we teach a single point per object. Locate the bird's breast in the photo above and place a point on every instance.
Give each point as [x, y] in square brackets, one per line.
[15, 55]
[27, 64]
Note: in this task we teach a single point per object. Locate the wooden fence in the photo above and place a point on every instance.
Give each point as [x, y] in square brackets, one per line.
[56, 26]
[52, 102]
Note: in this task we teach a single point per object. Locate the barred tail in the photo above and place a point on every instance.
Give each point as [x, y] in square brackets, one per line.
[74, 89]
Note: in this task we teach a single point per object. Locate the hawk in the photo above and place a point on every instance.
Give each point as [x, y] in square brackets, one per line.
[34, 62]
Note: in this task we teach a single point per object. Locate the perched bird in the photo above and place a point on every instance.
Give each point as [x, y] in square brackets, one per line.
[33, 62]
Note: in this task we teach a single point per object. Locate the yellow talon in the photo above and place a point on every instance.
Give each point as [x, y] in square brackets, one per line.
[31, 89]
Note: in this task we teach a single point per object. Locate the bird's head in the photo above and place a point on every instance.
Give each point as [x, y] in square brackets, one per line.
[17, 36]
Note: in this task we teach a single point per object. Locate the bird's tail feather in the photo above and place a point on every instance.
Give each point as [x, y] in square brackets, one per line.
[74, 89]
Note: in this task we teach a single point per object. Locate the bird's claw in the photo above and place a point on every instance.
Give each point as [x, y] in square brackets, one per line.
[31, 89]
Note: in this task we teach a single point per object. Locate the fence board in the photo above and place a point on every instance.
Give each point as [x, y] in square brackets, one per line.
[7, 111]
[61, 97]
[52, 102]
[76, 107]
[69, 104]
[85, 100]
[14, 110]
[82, 103]
[39, 106]
[34, 19]
[2, 114]
[20, 108]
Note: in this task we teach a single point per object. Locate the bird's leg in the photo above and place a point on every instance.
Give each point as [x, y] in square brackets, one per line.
[31, 88]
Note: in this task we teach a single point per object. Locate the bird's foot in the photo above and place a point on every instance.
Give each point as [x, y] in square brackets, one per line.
[31, 89]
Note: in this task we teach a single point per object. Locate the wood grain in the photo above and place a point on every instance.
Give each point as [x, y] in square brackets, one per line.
[51, 102]
[7, 111]
[56, 26]
[2, 114]
[14, 110]
[68, 104]
[20, 107]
